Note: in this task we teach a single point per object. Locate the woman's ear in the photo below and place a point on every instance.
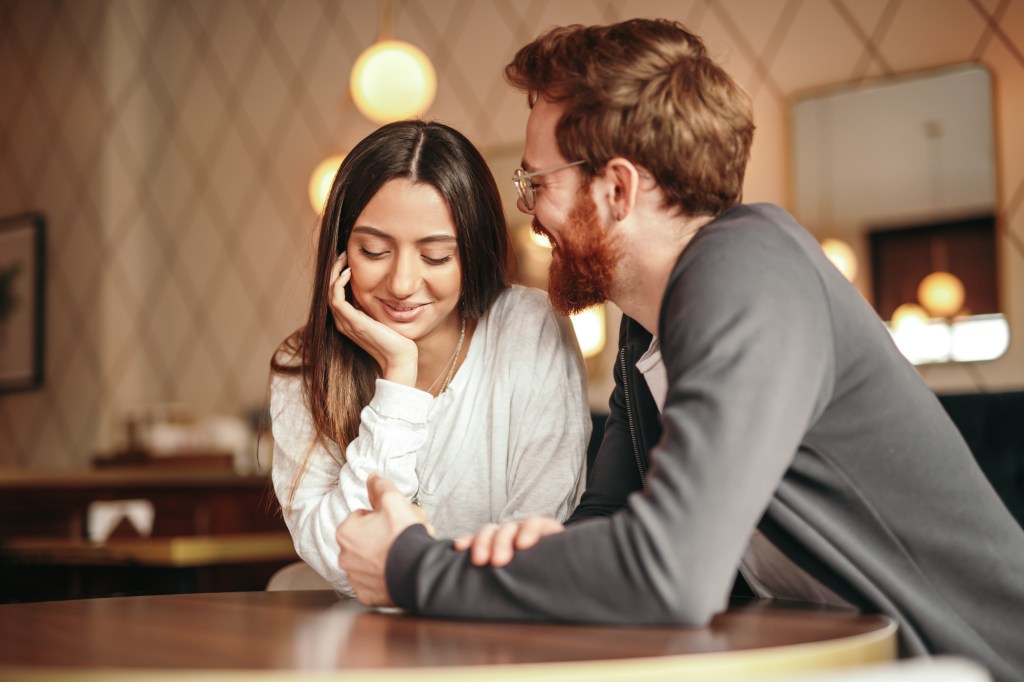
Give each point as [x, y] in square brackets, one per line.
[623, 184]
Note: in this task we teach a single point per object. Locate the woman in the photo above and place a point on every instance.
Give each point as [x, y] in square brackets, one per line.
[418, 360]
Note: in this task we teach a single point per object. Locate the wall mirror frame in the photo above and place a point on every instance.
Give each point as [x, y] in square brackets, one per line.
[897, 178]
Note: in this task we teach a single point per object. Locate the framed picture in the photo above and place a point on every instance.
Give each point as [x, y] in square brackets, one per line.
[22, 263]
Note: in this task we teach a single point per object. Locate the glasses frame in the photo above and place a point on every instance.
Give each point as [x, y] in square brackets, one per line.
[521, 179]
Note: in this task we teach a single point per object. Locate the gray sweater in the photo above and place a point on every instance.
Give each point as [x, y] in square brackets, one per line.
[789, 409]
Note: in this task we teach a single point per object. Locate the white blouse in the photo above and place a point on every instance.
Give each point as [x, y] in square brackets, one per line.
[506, 440]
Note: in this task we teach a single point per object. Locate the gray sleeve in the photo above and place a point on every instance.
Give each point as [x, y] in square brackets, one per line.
[747, 342]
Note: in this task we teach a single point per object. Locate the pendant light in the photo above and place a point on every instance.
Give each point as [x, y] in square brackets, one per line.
[392, 79]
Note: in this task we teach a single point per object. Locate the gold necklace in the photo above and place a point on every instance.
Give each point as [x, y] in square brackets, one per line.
[454, 361]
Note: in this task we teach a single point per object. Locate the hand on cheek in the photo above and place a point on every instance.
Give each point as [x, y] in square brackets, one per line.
[396, 354]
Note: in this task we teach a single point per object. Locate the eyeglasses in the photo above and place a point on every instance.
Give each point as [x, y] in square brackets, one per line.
[524, 186]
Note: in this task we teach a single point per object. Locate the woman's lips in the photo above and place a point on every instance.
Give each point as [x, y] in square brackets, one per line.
[403, 312]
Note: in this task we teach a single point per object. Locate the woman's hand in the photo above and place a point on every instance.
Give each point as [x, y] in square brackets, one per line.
[396, 355]
[496, 545]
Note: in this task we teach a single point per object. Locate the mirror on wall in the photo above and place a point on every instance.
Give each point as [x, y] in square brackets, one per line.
[897, 179]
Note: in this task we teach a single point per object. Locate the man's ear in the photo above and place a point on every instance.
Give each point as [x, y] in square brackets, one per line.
[622, 180]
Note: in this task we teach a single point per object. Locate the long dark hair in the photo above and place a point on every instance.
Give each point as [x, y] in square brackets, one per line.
[338, 376]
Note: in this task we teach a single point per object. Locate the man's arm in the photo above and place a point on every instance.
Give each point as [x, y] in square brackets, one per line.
[747, 342]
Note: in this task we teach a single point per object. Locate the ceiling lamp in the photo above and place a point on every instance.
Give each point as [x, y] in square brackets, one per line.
[942, 294]
[321, 179]
[908, 314]
[392, 80]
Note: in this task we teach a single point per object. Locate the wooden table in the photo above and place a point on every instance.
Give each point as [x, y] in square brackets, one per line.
[302, 634]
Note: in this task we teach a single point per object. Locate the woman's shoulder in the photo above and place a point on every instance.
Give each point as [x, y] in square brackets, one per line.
[522, 319]
[518, 302]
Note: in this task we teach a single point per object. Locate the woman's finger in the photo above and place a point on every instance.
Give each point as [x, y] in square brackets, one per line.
[339, 264]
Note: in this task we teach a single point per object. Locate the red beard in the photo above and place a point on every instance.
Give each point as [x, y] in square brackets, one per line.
[583, 261]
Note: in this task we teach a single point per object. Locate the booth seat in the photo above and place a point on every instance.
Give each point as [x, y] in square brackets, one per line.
[993, 426]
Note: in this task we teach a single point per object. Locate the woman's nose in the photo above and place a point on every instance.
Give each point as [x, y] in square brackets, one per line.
[405, 277]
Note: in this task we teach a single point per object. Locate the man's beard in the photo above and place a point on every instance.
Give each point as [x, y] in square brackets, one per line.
[583, 261]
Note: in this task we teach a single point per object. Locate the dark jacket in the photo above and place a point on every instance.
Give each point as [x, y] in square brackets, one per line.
[789, 409]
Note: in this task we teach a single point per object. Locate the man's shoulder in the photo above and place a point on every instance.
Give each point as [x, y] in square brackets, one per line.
[768, 218]
[751, 255]
[745, 237]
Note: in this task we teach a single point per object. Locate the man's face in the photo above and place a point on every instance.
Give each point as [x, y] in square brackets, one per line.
[584, 256]
[583, 261]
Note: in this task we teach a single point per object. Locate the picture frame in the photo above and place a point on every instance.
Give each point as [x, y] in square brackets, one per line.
[22, 301]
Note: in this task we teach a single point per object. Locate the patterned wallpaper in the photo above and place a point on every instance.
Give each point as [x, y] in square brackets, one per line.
[169, 143]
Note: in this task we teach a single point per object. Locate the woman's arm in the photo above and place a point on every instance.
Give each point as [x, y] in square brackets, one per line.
[317, 493]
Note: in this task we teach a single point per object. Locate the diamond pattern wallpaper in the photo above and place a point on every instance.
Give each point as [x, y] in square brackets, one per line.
[169, 144]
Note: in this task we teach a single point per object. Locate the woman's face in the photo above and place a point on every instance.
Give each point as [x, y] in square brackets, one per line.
[404, 258]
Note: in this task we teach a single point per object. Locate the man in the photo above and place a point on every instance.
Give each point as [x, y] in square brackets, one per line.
[794, 443]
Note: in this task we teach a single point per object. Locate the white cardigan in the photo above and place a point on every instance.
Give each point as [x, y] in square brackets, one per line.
[506, 440]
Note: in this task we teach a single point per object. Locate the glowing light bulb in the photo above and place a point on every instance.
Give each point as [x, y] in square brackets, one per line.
[321, 179]
[941, 293]
[842, 256]
[393, 80]
[908, 314]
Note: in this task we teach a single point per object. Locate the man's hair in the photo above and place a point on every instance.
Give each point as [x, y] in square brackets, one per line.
[644, 90]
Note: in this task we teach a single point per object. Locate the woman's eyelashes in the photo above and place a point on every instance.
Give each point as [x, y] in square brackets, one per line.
[374, 255]
[429, 260]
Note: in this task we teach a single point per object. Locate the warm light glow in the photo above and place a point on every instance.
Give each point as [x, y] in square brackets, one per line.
[539, 239]
[942, 294]
[321, 179]
[842, 256]
[967, 339]
[922, 342]
[393, 80]
[589, 327]
[908, 314]
[981, 337]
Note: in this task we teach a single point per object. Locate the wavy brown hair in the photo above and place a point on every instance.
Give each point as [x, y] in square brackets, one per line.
[644, 90]
[337, 375]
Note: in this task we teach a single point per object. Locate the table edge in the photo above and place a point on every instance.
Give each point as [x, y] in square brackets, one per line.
[878, 646]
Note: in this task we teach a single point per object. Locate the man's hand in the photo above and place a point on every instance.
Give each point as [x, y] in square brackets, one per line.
[496, 545]
[365, 538]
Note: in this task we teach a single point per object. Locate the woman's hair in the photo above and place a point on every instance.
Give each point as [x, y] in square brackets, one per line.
[644, 90]
[337, 375]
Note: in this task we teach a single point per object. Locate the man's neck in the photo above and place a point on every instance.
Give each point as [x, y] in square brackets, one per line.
[643, 277]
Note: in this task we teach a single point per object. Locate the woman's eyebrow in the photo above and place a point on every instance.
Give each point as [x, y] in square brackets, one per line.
[437, 238]
[372, 231]
[431, 239]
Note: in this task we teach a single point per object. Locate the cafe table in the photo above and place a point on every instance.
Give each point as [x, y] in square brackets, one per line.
[314, 635]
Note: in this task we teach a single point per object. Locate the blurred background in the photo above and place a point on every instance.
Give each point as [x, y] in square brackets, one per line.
[170, 147]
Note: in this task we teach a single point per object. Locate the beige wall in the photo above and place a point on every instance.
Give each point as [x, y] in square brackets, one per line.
[169, 144]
